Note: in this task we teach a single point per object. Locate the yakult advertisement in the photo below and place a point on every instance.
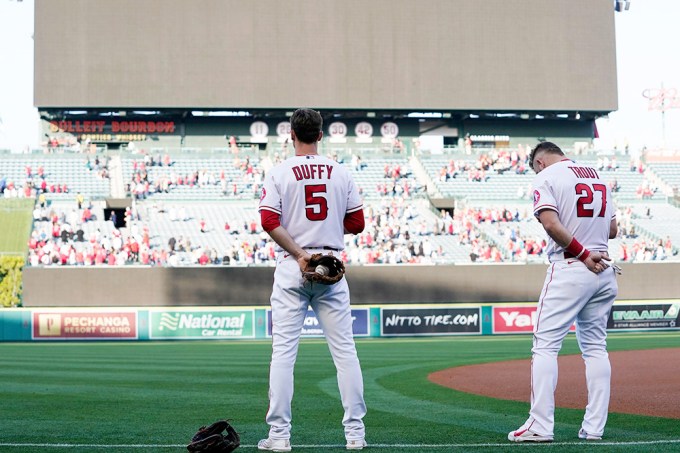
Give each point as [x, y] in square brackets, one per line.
[516, 319]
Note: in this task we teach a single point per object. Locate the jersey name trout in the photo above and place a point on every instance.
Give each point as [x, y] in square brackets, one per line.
[312, 171]
[584, 172]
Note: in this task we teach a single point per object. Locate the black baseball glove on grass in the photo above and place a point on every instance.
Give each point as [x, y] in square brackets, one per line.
[209, 439]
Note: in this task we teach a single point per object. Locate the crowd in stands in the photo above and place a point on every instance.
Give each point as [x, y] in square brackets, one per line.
[635, 248]
[494, 162]
[397, 182]
[646, 250]
[59, 238]
[395, 232]
[38, 182]
[99, 165]
[35, 182]
[143, 184]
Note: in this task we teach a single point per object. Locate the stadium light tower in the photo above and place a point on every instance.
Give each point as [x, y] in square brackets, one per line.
[621, 5]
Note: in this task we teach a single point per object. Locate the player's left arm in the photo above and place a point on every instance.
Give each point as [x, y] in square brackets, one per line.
[613, 229]
[354, 222]
[563, 237]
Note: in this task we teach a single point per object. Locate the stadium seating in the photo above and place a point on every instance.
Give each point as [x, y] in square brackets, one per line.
[394, 181]
[77, 173]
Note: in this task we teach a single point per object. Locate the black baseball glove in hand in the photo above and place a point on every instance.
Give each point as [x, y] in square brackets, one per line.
[210, 439]
[324, 269]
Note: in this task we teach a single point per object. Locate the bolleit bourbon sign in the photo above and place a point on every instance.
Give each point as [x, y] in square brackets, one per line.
[113, 130]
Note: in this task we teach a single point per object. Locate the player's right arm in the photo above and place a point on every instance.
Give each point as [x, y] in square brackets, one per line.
[281, 236]
[270, 219]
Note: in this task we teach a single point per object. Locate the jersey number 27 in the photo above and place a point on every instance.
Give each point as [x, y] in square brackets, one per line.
[584, 192]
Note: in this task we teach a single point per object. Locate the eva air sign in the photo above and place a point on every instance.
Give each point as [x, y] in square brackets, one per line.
[189, 325]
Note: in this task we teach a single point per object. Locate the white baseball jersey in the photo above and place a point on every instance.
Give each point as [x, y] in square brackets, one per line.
[312, 194]
[581, 199]
[572, 293]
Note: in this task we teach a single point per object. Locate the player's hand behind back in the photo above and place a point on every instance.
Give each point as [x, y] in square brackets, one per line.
[303, 261]
[597, 262]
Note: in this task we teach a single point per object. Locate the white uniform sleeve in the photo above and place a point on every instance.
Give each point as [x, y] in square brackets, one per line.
[271, 198]
[354, 202]
[543, 197]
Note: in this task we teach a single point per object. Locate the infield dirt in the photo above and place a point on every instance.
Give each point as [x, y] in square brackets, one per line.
[644, 382]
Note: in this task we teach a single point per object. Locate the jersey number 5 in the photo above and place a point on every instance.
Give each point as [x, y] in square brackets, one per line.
[316, 205]
[585, 199]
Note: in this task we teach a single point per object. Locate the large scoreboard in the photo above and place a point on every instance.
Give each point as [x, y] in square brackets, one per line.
[447, 55]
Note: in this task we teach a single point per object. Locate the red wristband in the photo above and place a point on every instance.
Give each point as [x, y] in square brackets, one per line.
[577, 250]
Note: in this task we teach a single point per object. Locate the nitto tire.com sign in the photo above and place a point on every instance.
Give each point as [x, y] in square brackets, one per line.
[430, 321]
[190, 325]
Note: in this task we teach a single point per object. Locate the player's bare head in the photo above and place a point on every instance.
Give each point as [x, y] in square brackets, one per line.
[541, 149]
[306, 125]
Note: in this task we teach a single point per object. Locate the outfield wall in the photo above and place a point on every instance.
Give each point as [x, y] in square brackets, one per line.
[243, 323]
[379, 284]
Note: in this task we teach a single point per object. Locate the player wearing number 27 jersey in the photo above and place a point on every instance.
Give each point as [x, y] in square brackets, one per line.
[308, 203]
[575, 208]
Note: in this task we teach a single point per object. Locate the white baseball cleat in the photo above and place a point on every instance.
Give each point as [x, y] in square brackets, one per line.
[356, 444]
[582, 434]
[526, 435]
[274, 444]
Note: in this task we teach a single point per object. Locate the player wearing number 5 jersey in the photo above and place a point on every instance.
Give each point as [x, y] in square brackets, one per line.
[308, 203]
[575, 208]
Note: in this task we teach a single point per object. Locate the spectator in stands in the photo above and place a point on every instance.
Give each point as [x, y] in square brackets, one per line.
[614, 185]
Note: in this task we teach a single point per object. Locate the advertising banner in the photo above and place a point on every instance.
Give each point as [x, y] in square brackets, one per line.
[637, 317]
[201, 324]
[516, 319]
[430, 321]
[90, 325]
[312, 327]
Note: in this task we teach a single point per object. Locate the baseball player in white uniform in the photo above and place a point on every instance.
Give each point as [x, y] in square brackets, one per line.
[575, 208]
[308, 203]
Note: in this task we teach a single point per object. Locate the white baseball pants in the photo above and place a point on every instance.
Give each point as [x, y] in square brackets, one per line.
[572, 293]
[291, 297]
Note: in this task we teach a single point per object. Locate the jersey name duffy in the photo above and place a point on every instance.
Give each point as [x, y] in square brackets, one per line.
[312, 171]
[312, 194]
[581, 199]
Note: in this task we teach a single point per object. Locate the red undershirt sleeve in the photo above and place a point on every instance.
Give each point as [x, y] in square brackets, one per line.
[270, 220]
[354, 222]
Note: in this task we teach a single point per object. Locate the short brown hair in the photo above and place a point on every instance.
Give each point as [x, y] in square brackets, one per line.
[544, 147]
[306, 123]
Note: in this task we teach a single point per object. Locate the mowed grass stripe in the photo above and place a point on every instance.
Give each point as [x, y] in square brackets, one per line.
[16, 220]
[116, 394]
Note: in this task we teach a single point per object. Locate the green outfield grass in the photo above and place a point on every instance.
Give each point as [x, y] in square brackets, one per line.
[15, 225]
[152, 396]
